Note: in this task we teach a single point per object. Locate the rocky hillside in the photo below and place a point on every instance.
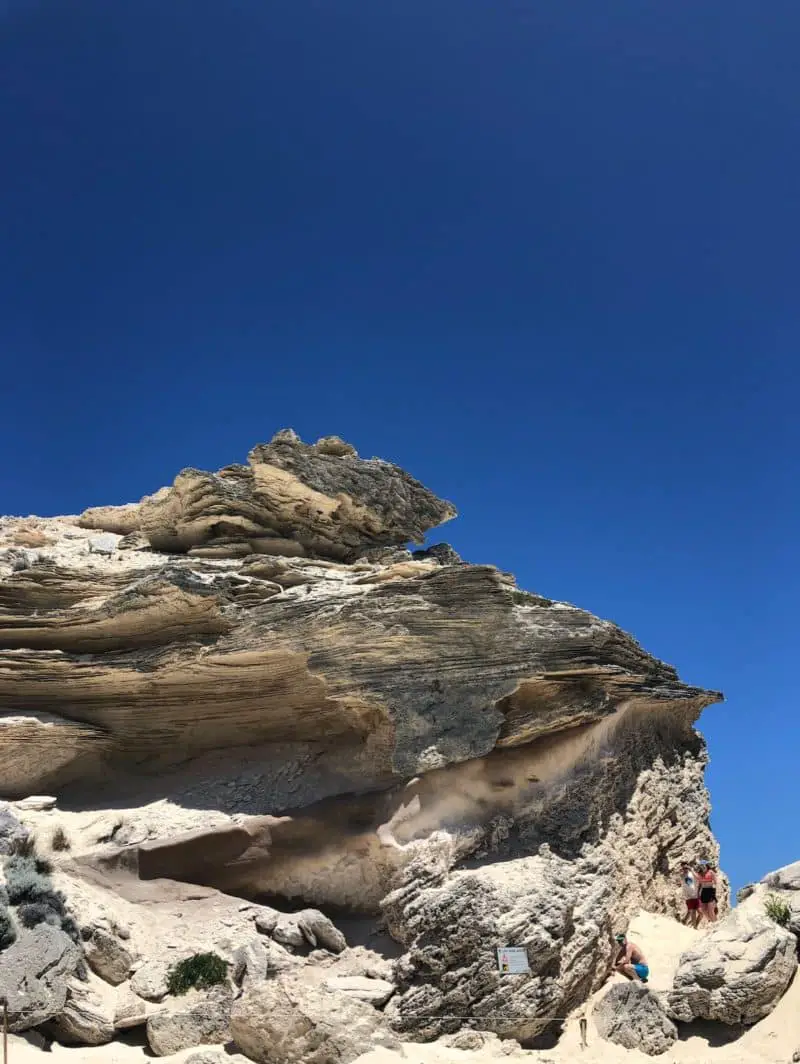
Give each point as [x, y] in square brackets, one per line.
[249, 682]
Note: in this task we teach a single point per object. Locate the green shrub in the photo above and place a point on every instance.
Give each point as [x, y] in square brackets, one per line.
[197, 972]
[23, 880]
[43, 866]
[31, 914]
[7, 932]
[60, 840]
[24, 845]
[778, 910]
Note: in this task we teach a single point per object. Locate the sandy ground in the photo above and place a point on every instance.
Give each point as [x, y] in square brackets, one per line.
[772, 1041]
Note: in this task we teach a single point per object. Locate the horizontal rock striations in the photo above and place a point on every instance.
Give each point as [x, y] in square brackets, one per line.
[290, 704]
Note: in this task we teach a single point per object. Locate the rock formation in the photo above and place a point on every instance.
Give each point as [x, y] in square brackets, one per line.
[737, 973]
[293, 707]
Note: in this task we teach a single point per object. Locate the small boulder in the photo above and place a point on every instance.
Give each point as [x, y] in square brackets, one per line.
[288, 1021]
[35, 974]
[308, 928]
[737, 973]
[632, 1016]
[37, 803]
[87, 1018]
[786, 878]
[107, 955]
[150, 980]
[267, 920]
[199, 1018]
[251, 963]
[374, 991]
[103, 544]
[131, 1010]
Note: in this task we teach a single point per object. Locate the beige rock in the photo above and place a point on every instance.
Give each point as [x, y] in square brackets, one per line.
[107, 955]
[150, 980]
[35, 974]
[737, 973]
[286, 1021]
[633, 1017]
[198, 1018]
[308, 928]
[374, 991]
[88, 1016]
[130, 1009]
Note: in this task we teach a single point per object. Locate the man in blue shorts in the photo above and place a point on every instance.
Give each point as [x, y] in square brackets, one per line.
[630, 960]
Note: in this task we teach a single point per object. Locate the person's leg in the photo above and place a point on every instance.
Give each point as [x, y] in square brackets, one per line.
[627, 971]
[696, 917]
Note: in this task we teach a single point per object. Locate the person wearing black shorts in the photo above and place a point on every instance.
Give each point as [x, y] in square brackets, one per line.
[708, 891]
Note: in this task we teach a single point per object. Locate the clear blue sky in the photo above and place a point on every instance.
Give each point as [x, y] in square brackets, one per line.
[545, 256]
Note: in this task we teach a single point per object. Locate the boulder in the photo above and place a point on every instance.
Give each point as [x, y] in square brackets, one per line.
[452, 925]
[199, 1018]
[634, 1017]
[251, 962]
[287, 1021]
[107, 954]
[306, 929]
[35, 974]
[37, 803]
[88, 1016]
[786, 878]
[214, 1056]
[374, 991]
[150, 980]
[737, 973]
[131, 1010]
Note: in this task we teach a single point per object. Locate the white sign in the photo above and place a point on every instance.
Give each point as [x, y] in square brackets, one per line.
[512, 960]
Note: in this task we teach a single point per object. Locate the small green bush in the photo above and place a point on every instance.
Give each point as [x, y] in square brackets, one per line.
[23, 880]
[7, 933]
[24, 845]
[31, 914]
[778, 910]
[43, 866]
[60, 840]
[197, 972]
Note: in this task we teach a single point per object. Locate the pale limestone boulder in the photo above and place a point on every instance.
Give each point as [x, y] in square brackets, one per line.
[108, 955]
[88, 1016]
[130, 1009]
[634, 1017]
[737, 972]
[201, 1017]
[288, 1021]
[149, 981]
[308, 928]
[35, 974]
[374, 991]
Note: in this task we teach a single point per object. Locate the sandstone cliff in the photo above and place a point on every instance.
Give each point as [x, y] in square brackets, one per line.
[282, 700]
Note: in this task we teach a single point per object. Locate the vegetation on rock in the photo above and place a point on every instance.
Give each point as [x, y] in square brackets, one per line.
[197, 973]
[778, 910]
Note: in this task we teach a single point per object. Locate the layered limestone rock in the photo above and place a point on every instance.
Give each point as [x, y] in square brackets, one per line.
[293, 706]
[291, 499]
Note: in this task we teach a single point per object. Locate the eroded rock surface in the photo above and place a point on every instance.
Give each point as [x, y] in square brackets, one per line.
[35, 974]
[634, 1017]
[293, 707]
[288, 1021]
[737, 973]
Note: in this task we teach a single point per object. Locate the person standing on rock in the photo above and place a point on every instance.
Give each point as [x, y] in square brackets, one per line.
[691, 892]
[708, 891]
[630, 960]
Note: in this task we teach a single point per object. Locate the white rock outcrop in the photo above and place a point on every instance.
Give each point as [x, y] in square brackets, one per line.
[737, 973]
